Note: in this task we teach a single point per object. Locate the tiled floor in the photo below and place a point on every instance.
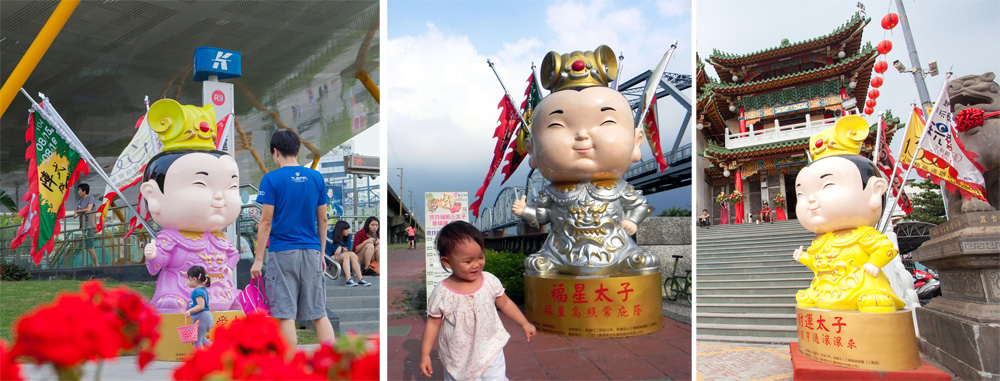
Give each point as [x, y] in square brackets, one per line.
[665, 354]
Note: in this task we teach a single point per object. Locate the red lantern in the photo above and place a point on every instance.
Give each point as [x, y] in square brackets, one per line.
[884, 47]
[873, 94]
[870, 103]
[869, 110]
[881, 67]
[877, 82]
[890, 21]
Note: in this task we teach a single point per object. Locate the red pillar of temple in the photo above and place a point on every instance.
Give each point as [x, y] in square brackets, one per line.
[843, 97]
[739, 174]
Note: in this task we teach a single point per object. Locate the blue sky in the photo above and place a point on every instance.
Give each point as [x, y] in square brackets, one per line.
[442, 95]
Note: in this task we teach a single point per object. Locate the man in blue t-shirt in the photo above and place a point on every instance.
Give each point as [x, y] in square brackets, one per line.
[294, 218]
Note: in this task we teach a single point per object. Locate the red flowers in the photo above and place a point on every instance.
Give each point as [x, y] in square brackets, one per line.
[252, 348]
[93, 324]
[9, 370]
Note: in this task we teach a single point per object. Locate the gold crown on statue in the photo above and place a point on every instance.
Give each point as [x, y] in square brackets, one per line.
[579, 69]
[183, 127]
[844, 138]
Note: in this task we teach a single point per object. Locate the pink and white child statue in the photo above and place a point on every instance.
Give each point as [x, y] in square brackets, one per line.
[192, 192]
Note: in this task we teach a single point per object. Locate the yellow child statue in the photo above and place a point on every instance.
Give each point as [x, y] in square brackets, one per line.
[840, 197]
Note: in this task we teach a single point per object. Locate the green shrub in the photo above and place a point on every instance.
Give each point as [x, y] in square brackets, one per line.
[676, 212]
[509, 268]
[11, 272]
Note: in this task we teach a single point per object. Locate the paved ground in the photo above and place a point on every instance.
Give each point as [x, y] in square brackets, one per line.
[757, 362]
[665, 354]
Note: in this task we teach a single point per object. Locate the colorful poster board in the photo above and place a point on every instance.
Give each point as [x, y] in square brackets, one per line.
[440, 208]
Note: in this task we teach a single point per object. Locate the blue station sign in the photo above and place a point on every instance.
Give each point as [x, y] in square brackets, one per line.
[214, 61]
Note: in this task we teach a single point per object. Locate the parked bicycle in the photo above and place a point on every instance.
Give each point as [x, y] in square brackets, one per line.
[676, 286]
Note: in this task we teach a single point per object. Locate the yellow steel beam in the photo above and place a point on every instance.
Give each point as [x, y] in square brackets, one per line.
[35, 52]
[368, 84]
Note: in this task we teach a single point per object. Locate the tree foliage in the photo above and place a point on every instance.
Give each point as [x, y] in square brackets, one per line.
[676, 212]
[928, 206]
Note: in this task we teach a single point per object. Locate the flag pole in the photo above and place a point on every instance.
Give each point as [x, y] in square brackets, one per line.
[507, 94]
[892, 175]
[920, 143]
[63, 130]
[654, 80]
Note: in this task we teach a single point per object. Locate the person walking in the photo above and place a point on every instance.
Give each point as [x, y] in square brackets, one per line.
[411, 236]
[294, 218]
[88, 223]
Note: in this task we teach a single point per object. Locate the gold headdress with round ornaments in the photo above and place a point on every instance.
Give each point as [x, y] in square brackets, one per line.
[579, 69]
[183, 127]
[844, 138]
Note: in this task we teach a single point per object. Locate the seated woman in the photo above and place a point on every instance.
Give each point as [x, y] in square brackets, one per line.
[704, 219]
[765, 214]
[366, 243]
[341, 252]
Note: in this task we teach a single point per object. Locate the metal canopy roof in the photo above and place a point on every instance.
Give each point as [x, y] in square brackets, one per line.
[111, 54]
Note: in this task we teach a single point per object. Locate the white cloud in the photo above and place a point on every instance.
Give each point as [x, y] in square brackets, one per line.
[444, 96]
[673, 8]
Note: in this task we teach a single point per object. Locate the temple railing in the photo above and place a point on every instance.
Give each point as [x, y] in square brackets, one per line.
[766, 134]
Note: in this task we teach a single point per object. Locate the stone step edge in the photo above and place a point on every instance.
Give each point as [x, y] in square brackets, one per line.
[807, 271]
[752, 280]
[754, 315]
[792, 296]
[758, 267]
[731, 262]
[742, 327]
[697, 287]
[745, 339]
[766, 305]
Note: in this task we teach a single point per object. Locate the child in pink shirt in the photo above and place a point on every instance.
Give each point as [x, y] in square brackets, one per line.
[464, 310]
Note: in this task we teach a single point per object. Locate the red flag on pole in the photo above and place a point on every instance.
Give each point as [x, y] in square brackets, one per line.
[653, 135]
[887, 165]
[533, 96]
[508, 123]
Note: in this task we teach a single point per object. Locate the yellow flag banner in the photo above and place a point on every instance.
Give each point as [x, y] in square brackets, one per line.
[913, 132]
[942, 157]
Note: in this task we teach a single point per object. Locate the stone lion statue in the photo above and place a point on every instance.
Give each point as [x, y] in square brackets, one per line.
[982, 92]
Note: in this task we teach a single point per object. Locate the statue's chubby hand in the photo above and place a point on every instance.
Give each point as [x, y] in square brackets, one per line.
[629, 227]
[150, 251]
[519, 206]
[872, 269]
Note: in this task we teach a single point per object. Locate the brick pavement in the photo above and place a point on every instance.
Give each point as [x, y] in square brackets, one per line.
[665, 354]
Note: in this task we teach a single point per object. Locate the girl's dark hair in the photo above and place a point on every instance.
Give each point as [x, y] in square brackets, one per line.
[157, 167]
[201, 274]
[453, 234]
[338, 231]
[368, 223]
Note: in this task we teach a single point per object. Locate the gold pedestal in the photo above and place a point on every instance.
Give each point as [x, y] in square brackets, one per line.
[170, 347]
[858, 340]
[607, 306]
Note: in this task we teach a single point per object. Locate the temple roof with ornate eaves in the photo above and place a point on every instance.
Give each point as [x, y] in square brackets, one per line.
[848, 34]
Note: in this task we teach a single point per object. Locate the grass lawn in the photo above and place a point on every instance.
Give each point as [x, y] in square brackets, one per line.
[16, 298]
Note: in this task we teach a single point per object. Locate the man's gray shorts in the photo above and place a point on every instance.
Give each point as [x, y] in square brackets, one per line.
[295, 286]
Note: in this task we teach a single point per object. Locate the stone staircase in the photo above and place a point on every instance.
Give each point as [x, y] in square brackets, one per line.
[353, 308]
[746, 281]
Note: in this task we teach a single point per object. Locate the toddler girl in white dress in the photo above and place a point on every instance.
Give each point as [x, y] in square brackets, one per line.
[463, 308]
